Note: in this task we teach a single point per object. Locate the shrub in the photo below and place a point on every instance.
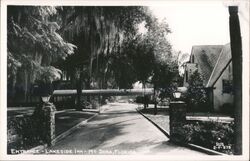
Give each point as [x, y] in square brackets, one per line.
[196, 96]
[25, 129]
[209, 134]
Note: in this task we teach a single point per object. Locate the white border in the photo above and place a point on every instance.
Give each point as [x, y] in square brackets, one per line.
[3, 83]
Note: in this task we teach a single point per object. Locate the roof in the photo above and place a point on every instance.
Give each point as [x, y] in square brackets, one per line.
[206, 57]
[222, 62]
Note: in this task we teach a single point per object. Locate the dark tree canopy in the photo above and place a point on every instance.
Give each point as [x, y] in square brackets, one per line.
[33, 45]
[109, 50]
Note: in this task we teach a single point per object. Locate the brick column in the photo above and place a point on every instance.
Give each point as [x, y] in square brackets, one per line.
[177, 118]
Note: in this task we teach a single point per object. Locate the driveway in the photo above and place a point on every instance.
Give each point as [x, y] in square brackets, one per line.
[118, 130]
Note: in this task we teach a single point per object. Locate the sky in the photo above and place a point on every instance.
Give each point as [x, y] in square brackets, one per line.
[195, 23]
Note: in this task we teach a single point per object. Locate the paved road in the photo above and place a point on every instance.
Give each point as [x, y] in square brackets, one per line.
[119, 129]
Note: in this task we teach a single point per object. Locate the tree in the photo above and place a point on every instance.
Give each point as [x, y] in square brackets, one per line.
[33, 46]
[165, 68]
[196, 94]
[99, 32]
[141, 58]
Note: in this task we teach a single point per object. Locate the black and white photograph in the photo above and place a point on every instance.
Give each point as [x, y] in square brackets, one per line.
[115, 80]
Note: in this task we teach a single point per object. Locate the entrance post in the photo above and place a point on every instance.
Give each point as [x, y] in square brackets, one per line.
[236, 50]
[177, 119]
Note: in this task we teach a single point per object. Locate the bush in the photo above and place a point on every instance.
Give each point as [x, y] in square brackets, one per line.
[25, 129]
[196, 96]
[140, 99]
[209, 134]
[227, 108]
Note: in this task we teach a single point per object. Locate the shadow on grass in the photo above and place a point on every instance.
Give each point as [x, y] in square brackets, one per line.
[66, 120]
[93, 136]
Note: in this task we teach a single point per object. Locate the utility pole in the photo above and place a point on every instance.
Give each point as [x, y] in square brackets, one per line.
[236, 50]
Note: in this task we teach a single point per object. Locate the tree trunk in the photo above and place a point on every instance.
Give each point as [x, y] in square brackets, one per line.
[79, 74]
[25, 85]
[155, 102]
[236, 49]
[144, 96]
[87, 85]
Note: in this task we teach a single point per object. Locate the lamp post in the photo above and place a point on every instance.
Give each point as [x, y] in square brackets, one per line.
[177, 95]
[45, 99]
[177, 118]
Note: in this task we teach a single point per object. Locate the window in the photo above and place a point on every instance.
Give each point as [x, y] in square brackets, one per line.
[227, 86]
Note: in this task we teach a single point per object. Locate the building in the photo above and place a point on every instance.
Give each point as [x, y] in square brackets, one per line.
[214, 63]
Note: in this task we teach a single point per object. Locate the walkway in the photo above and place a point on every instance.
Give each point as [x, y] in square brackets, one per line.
[119, 129]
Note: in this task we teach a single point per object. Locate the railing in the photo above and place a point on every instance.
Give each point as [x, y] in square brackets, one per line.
[107, 92]
[67, 98]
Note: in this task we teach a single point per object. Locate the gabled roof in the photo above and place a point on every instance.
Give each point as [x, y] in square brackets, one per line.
[221, 64]
[206, 57]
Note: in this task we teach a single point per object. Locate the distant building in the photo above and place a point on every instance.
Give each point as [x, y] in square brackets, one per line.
[214, 64]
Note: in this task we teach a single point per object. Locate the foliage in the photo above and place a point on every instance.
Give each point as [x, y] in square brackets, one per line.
[110, 53]
[165, 68]
[24, 127]
[209, 134]
[157, 38]
[196, 94]
[140, 58]
[108, 37]
[100, 33]
[33, 45]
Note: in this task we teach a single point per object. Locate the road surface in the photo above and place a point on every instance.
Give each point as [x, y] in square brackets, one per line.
[118, 130]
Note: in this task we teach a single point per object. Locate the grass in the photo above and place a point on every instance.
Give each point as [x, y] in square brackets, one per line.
[66, 120]
[161, 118]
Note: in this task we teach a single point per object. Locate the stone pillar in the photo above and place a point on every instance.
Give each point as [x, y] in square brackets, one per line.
[177, 119]
[49, 114]
[44, 117]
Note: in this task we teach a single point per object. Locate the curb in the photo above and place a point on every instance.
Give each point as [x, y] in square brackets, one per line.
[189, 145]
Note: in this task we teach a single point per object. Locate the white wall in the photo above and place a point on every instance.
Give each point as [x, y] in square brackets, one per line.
[221, 98]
